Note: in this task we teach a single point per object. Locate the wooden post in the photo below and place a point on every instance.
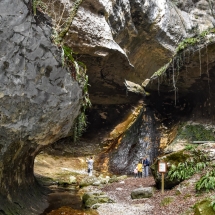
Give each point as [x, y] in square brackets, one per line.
[162, 183]
[162, 168]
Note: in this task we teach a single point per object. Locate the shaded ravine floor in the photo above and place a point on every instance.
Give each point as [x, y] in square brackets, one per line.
[51, 172]
[65, 200]
[179, 200]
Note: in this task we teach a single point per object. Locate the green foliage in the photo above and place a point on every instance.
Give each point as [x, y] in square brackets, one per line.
[206, 182]
[37, 4]
[213, 203]
[190, 147]
[176, 62]
[78, 72]
[196, 163]
[197, 132]
[79, 68]
[194, 40]
[72, 15]
[186, 43]
[80, 126]
[167, 200]
[162, 70]
[185, 170]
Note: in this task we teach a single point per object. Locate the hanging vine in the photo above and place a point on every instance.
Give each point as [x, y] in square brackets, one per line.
[78, 72]
[180, 58]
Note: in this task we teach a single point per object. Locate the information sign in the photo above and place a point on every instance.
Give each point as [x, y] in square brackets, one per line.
[162, 166]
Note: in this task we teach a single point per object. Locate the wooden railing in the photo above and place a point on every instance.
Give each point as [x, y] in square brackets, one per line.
[203, 141]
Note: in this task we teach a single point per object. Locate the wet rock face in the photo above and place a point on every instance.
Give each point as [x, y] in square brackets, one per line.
[39, 99]
[141, 139]
[189, 91]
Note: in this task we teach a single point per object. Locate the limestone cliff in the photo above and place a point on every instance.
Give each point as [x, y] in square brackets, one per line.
[117, 40]
[39, 102]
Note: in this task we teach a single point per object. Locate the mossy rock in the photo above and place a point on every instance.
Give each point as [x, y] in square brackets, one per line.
[204, 208]
[90, 199]
[197, 132]
[122, 177]
[87, 181]
[143, 192]
[113, 179]
[173, 158]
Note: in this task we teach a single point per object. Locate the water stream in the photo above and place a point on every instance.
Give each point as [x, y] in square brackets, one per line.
[64, 199]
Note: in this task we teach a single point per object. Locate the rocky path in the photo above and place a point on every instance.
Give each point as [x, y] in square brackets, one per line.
[178, 201]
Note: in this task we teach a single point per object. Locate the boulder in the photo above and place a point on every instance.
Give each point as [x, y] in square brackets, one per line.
[143, 192]
[171, 159]
[87, 181]
[122, 177]
[72, 179]
[113, 179]
[95, 199]
[204, 208]
[104, 180]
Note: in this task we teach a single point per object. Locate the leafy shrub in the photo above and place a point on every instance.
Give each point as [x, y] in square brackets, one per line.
[196, 163]
[185, 170]
[206, 182]
[190, 147]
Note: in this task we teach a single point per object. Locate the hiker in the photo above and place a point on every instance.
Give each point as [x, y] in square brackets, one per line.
[146, 166]
[135, 172]
[140, 169]
[90, 166]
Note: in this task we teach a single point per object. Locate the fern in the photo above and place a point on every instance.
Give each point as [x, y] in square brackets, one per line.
[185, 170]
[206, 182]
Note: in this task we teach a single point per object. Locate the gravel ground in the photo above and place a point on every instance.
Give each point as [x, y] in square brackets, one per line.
[177, 201]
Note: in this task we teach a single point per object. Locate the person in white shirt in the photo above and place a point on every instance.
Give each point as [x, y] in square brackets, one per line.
[90, 166]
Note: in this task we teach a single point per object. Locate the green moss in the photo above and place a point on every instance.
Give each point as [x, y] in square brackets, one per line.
[197, 133]
[162, 70]
[186, 43]
[167, 200]
[176, 60]
[188, 195]
[177, 157]
[204, 208]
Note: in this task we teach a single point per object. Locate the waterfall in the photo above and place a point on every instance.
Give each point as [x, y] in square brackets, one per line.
[141, 139]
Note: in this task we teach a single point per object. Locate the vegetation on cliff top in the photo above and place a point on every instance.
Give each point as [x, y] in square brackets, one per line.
[178, 59]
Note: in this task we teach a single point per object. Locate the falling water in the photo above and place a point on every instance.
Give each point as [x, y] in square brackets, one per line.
[140, 140]
[200, 63]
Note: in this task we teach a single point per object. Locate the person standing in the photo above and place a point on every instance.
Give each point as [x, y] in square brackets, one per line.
[90, 166]
[135, 172]
[140, 169]
[146, 166]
